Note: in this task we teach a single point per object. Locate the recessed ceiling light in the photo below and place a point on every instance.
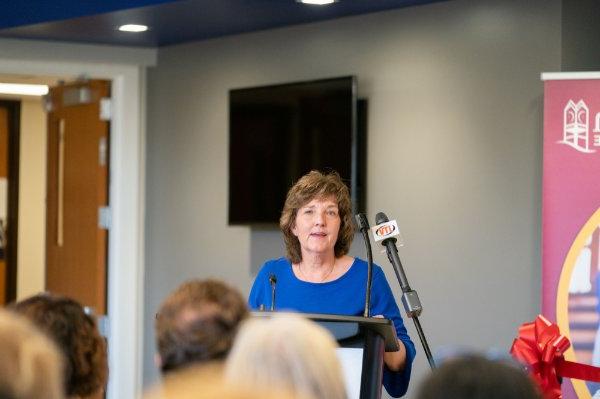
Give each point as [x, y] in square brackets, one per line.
[133, 28]
[23, 89]
[317, 2]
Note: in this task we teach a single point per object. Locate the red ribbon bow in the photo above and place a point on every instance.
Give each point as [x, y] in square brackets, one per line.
[540, 347]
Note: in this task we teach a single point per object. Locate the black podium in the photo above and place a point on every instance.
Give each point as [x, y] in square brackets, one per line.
[373, 335]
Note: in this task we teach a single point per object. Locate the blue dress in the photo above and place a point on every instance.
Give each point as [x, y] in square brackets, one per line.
[343, 296]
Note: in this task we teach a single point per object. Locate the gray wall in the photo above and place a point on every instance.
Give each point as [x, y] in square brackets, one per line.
[454, 154]
[580, 32]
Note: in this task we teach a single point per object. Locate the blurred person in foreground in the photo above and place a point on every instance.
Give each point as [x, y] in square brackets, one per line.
[287, 352]
[76, 335]
[317, 275]
[197, 324]
[475, 377]
[205, 381]
[31, 366]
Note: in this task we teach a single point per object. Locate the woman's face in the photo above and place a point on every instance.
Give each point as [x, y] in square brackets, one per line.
[317, 226]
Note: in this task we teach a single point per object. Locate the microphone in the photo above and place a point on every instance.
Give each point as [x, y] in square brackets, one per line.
[363, 226]
[386, 232]
[273, 282]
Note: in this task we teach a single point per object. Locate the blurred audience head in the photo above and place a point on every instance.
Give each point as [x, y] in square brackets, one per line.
[476, 377]
[205, 381]
[287, 352]
[76, 335]
[31, 365]
[197, 323]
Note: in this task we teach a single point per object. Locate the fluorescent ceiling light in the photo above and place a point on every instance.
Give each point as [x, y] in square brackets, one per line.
[23, 89]
[318, 2]
[133, 28]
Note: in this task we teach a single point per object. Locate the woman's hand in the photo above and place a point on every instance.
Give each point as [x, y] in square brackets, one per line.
[395, 361]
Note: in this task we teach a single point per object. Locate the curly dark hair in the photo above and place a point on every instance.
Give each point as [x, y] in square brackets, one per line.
[76, 334]
[310, 186]
[198, 323]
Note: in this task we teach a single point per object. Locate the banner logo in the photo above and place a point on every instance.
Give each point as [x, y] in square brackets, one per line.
[576, 126]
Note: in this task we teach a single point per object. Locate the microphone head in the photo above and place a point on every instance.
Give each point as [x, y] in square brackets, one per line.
[362, 222]
[385, 230]
[381, 218]
[273, 279]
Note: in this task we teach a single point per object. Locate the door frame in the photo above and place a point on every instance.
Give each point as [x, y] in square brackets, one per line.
[12, 214]
[126, 69]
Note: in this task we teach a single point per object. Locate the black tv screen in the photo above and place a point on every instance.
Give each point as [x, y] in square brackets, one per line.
[279, 133]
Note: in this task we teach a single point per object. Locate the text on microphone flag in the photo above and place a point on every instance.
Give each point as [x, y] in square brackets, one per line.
[385, 230]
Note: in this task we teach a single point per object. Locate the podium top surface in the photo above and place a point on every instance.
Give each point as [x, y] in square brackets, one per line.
[344, 327]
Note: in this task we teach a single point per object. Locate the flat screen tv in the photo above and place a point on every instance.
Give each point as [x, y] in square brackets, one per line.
[279, 133]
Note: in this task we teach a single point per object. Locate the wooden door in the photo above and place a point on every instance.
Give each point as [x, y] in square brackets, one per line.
[77, 187]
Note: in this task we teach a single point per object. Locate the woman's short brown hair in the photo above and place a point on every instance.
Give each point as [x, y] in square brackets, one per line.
[75, 333]
[310, 186]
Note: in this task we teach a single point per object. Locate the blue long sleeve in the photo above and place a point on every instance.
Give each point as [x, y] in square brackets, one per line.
[343, 296]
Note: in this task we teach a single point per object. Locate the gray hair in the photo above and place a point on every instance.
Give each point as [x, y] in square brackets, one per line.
[287, 352]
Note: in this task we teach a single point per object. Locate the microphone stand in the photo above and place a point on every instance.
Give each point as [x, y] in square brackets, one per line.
[273, 282]
[363, 226]
[410, 298]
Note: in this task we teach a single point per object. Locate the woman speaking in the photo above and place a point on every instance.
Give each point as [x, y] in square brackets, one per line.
[318, 276]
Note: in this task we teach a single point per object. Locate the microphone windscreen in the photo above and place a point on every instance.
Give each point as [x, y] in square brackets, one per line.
[381, 218]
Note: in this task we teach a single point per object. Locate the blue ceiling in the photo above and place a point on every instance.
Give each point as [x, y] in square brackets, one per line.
[170, 22]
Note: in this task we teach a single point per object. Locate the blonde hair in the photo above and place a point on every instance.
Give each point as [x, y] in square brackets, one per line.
[31, 366]
[205, 381]
[287, 352]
